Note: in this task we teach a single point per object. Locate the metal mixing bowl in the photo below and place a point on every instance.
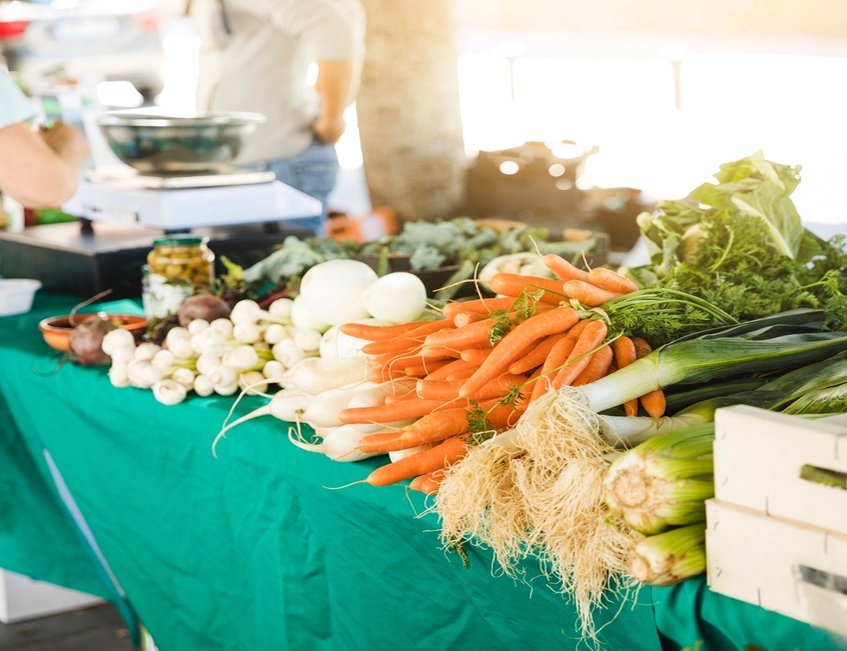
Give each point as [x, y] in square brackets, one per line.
[194, 143]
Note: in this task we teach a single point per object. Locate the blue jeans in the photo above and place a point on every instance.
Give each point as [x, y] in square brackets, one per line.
[313, 171]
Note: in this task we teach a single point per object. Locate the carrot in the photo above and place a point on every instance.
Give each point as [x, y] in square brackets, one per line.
[475, 355]
[412, 338]
[556, 358]
[478, 305]
[497, 387]
[390, 412]
[624, 355]
[454, 366]
[516, 284]
[563, 269]
[653, 402]
[440, 424]
[535, 355]
[516, 341]
[437, 457]
[611, 280]
[434, 426]
[373, 332]
[473, 335]
[462, 319]
[428, 483]
[587, 293]
[590, 338]
[597, 367]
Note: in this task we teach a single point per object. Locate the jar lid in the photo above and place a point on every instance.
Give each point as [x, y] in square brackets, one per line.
[179, 240]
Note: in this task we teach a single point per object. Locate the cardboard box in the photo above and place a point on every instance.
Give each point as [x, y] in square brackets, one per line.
[788, 567]
[22, 598]
[763, 459]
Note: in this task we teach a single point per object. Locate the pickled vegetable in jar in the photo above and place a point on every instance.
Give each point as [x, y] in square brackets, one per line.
[185, 258]
[177, 266]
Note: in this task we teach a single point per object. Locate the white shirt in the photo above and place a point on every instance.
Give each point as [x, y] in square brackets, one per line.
[263, 62]
[14, 105]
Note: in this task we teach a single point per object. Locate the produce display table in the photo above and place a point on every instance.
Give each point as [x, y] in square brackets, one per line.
[269, 546]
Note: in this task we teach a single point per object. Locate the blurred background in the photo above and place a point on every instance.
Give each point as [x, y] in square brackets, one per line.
[634, 101]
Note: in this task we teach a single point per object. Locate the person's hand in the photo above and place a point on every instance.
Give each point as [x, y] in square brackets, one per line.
[328, 129]
[67, 142]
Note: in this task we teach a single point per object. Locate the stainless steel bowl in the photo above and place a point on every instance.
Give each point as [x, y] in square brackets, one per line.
[178, 144]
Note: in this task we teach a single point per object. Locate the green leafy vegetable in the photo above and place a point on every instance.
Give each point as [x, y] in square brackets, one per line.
[741, 245]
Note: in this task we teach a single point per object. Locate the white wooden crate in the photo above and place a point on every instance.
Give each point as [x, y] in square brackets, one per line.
[759, 455]
[788, 567]
[22, 598]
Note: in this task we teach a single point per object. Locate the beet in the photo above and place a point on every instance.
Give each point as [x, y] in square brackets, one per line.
[86, 341]
[202, 306]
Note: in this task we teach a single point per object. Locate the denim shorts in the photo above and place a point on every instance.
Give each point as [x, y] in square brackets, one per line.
[313, 171]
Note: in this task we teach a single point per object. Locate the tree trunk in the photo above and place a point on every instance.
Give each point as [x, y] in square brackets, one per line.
[408, 109]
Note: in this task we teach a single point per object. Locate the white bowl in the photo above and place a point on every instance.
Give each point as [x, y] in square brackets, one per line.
[16, 295]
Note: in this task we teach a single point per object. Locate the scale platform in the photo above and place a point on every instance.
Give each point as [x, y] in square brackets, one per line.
[184, 202]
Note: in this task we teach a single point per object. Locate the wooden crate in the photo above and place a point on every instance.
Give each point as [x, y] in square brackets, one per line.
[785, 566]
[762, 459]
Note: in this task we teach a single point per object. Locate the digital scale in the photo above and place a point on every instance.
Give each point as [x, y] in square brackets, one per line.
[120, 211]
[242, 214]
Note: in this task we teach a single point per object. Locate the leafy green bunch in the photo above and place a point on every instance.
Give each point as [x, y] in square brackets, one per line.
[741, 245]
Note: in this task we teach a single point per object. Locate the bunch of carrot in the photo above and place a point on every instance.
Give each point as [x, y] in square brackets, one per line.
[477, 369]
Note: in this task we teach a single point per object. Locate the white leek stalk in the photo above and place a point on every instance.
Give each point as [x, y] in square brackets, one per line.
[670, 557]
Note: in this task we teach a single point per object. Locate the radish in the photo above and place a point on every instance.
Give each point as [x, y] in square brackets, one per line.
[334, 290]
[396, 297]
[339, 444]
[315, 374]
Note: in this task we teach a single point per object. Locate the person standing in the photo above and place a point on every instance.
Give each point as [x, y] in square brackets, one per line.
[258, 55]
[39, 168]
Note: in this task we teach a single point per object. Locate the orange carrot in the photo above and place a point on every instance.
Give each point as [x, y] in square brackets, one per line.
[428, 483]
[597, 367]
[516, 341]
[611, 280]
[462, 319]
[437, 457]
[390, 412]
[653, 402]
[478, 305]
[624, 355]
[473, 335]
[590, 338]
[516, 284]
[475, 355]
[535, 355]
[588, 294]
[374, 332]
[556, 358]
[435, 426]
[412, 338]
[497, 387]
[563, 269]
[454, 366]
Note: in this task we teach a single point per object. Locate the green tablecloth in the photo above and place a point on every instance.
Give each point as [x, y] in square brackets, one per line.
[253, 551]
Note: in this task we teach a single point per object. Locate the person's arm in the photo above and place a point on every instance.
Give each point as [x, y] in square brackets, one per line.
[336, 85]
[40, 169]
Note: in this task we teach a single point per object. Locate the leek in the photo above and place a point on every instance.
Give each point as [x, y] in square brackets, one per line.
[670, 557]
[664, 481]
[693, 361]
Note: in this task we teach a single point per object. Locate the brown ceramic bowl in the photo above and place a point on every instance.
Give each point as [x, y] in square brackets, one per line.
[56, 330]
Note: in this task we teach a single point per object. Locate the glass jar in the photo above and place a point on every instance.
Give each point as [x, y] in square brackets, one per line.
[177, 266]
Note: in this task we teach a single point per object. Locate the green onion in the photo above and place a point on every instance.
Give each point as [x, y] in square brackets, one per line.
[670, 557]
